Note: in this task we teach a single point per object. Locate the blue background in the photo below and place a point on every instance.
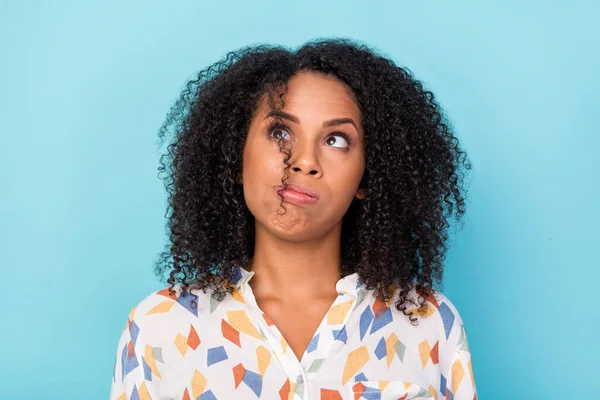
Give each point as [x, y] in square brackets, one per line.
[85, 86]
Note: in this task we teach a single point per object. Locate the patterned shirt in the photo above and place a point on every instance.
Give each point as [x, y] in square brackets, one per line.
[364, 348]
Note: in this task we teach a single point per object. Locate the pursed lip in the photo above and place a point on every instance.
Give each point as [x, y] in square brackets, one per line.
[300, 189]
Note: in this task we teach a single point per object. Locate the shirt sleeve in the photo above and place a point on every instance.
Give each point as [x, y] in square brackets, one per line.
[459, 378]
[130, 370]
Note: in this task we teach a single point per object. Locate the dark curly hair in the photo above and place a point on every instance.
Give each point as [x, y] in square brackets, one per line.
[395, 238]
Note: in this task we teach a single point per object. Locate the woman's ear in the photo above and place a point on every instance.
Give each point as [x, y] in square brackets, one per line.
[361, 193]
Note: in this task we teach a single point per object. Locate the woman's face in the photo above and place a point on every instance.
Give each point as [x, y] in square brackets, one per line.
[321, 123]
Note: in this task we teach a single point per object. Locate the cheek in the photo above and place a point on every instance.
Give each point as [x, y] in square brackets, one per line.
[261, 165]
[261, 172]
[346, 175]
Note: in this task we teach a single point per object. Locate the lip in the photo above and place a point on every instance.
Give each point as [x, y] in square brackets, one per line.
[298, 194]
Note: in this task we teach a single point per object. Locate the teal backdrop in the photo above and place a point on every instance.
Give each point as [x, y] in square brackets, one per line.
[85, 85]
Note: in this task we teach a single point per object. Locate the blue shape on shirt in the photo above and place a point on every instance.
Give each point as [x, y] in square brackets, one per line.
[147, 370]
[443, 385]
[134, 330]
[372, 393]
[340, 334]
[185, 299]
[314, 342]
[360, 378]
[380, 350]
[382, 321]
[237, 275]
[447, 318]
[208, 395]
[128, 364]
[254, 382]
[216, 354]
[134, 393]
[365, 320]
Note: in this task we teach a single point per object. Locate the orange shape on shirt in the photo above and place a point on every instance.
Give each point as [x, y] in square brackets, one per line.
[167, 293]
[358, 389]
[284, 392]
[268, 320]
[230, 333]
[434, 353]
[238, 374]
[193, 339]
[379, 307]
[330, 394]
[130, 350]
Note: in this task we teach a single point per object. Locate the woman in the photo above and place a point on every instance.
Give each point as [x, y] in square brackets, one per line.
[309, 193]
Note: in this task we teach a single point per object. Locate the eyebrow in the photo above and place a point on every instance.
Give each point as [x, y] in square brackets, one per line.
[293, 118]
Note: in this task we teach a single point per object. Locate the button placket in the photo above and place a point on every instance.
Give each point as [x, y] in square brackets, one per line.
[349, 288]
[288, 360]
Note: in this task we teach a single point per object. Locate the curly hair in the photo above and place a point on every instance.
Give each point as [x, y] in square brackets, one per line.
[395, 238]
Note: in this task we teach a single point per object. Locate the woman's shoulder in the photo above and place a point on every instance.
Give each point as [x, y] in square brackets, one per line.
[168, 302]
[435, 303]
[436, 309]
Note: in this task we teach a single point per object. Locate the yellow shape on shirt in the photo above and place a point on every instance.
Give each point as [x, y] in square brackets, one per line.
[143, 392]
[424, 351]
[264, 359]
[237, 295]
[425, 312]
[433, 392]
[239, 320]
[181, 343]
[151, 361]
[336, 314]
[198, 384]
[162, 307]
[356, 360]
[458, 374]
[470, 366]
[382, 385]
[390, 348]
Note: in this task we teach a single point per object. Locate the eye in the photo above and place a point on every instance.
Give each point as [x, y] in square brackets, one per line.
[335, 142]
[278, 131]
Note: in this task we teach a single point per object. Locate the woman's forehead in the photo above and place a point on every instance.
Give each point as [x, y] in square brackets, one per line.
[311, 95]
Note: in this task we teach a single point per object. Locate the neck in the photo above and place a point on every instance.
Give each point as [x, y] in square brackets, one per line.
[295, 270]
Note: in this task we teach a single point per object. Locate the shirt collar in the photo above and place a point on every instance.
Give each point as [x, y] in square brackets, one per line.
[349, 284]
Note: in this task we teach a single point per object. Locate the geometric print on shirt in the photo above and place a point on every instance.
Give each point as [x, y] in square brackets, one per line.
[364, 348]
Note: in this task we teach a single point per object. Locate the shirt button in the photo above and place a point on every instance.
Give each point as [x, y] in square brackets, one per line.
[300, 380]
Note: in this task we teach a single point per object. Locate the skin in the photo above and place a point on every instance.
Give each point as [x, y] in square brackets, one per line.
[297, 255]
